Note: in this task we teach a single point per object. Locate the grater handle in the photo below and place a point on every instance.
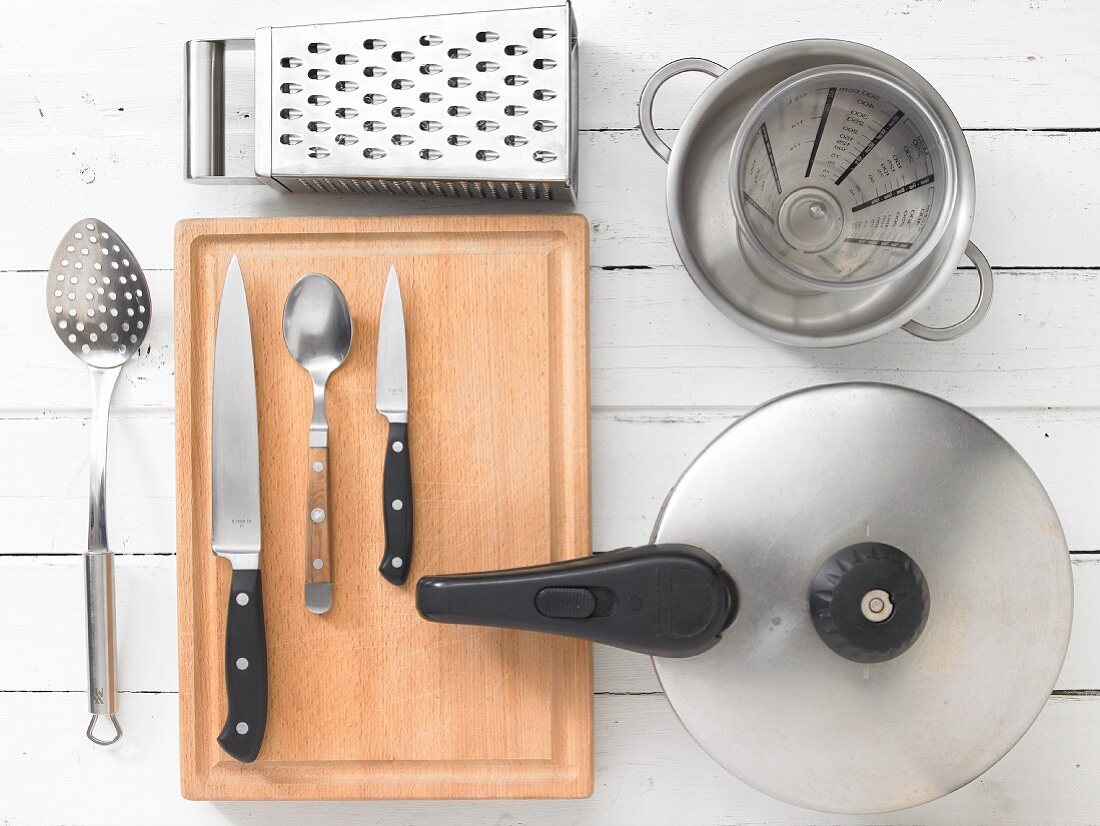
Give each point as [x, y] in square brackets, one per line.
[205, 144]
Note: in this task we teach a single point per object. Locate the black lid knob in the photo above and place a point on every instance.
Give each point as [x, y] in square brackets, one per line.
[869, 602]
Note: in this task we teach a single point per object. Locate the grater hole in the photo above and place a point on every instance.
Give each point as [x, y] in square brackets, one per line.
[488, 95]
[430, 126]
[544, 94]
[430, 154]
[543, 33]
[290, 62]
[544, 156]
[402, 84]
[318, 48]
[318, 100]
[402, 56]
[458, 82]
[373, 153]
[458, 111]
[488, 125]
[544, 63]
[373, 126]
[290, 88]
[374, 71]
[345, 113]
[544, 126]
[431, 69]
[515, 111]
[346, 59]
[457, 140]
[458, 53]
[374, 43]
[373, 98]
[402, 112]
[401, 140]
[318, 126]
[487, 66]
[430, 40]
[515, 140]
[515, 80]
[346, 140]
[486, 155]
[487, 37]
[346, 86]
[515, 50]
[430, 97]
[318, 74]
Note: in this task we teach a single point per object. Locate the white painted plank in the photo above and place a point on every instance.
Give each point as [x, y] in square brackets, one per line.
[44, 612]
[637, 456]
[999, 63]
[1036, 205]
[649, 772]
[656, 341]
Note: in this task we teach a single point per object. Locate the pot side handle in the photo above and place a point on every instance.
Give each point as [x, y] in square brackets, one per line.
[645, 104]
[985, 298]
[661, 600]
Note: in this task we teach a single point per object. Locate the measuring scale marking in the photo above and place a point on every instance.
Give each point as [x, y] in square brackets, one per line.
[808, 192]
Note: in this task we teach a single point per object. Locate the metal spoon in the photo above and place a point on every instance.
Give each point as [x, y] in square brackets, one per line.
[317, 330]
[98, 301]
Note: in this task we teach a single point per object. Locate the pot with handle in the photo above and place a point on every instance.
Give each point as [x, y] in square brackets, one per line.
[857, 598]
[820, 193]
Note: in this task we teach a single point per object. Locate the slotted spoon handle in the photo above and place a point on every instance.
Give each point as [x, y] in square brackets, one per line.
[99, 566]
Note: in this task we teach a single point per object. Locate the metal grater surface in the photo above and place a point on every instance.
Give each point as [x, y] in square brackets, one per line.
[472, 105]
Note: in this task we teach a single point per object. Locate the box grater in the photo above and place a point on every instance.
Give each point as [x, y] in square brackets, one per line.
[477, 104]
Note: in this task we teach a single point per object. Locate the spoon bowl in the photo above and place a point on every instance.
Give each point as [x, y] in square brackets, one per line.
[317, 325]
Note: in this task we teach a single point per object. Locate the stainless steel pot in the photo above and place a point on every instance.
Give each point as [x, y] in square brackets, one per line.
[748, 275]
[858, 598]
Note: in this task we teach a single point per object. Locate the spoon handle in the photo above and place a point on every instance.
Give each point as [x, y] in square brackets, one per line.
[318, 534]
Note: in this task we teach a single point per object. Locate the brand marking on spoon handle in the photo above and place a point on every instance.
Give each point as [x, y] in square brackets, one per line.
[821, 128]
[901, 190]
[898, 115]
[771, 157]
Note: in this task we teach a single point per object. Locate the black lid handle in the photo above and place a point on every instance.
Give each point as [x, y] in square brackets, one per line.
[662, 600]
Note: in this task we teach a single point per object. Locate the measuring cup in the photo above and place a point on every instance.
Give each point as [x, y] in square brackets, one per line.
[848, 193]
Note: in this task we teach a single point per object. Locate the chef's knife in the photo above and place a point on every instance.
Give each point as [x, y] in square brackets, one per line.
[392, 400]
[235, 496]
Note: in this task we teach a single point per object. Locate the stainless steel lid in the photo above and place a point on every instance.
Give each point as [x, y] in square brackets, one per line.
[774, 499]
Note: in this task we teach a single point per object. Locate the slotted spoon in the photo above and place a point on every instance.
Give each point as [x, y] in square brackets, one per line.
[98, 301]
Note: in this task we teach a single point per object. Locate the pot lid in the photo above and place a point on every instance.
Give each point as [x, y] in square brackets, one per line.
[905, 598]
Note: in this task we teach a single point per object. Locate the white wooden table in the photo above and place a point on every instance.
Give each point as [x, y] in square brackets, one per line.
[91, 123]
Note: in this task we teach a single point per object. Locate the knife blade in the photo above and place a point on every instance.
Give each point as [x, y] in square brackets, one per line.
[235, 519]
[392, 400]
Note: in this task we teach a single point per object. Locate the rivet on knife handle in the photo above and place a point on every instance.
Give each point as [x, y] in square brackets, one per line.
[245, 668]
[398, 505]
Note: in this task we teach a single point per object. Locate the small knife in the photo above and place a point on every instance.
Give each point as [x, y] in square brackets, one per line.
[235, 520]
[392, 400]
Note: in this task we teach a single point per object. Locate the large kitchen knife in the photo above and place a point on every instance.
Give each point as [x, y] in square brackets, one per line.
[235, 496]
[392, 400]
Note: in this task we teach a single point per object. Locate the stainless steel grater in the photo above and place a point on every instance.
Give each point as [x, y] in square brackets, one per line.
[478, 104]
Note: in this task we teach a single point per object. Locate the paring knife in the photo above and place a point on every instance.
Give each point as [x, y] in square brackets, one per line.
[392, 400]
[235, 496]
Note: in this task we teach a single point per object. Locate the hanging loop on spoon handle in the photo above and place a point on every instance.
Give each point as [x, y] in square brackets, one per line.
[645, 104]
[985, 298]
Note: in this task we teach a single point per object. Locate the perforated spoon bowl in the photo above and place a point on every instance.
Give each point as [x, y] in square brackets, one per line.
[98, 303]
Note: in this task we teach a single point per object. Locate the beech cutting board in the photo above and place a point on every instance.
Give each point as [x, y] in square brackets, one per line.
[369, 700]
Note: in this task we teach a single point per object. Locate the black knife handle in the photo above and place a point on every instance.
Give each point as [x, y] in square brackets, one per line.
[245, 668]
[397, 506]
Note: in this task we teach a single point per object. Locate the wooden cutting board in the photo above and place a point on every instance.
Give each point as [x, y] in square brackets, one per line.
[369, 700]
